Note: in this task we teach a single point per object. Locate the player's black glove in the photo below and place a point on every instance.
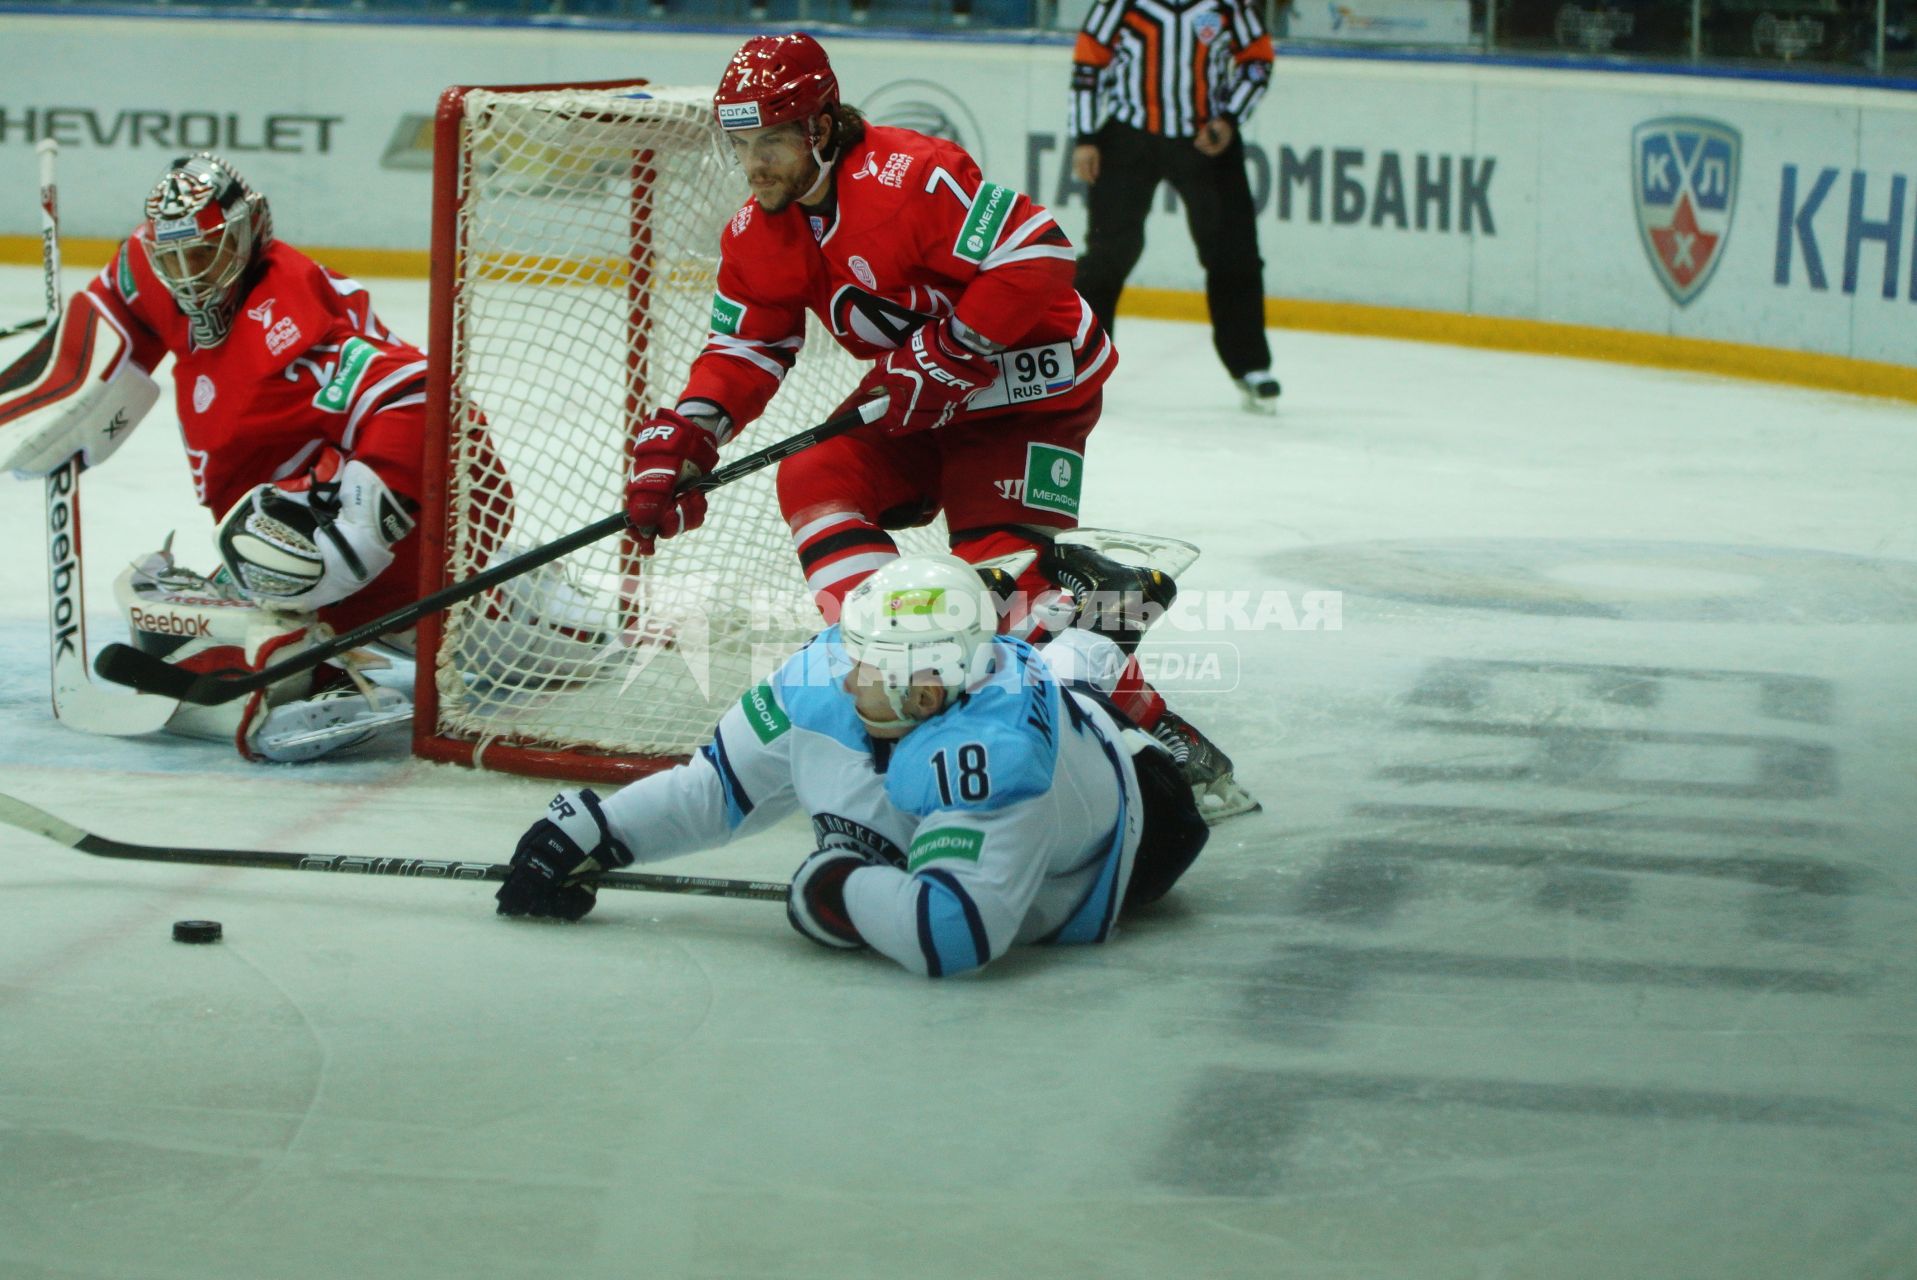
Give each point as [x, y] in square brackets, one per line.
[560, 857]
[815, 904]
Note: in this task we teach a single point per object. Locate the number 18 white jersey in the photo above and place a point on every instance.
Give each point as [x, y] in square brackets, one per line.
[1013, 816]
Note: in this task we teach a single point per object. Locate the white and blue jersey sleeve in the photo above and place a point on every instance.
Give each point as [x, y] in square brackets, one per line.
[738, 783]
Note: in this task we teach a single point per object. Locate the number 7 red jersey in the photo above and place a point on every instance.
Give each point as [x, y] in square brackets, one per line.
[916, 234]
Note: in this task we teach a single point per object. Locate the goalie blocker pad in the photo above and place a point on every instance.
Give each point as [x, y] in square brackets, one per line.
[73, 391]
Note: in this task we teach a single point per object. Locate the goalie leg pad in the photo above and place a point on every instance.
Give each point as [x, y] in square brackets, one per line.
[73, 391]
[270, 640]
[288, 722]
[168, 606]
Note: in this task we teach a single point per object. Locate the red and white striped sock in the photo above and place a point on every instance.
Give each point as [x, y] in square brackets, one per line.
[837, 552]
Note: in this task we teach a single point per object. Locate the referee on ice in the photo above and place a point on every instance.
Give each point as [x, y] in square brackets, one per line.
[1159, 90]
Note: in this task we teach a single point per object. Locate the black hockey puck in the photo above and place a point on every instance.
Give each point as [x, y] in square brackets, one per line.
[196, 931]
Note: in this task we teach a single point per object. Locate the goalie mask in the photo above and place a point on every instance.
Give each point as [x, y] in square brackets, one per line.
[921, 614]
[205, 228]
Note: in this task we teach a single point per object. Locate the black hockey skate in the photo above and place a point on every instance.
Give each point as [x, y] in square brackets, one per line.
[1206, 768]
[1118, 601]
[1260, 391]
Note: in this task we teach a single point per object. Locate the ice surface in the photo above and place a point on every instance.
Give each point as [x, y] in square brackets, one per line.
[1575, 939]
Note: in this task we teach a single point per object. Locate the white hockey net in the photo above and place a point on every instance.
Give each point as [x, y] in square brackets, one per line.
[575, 271]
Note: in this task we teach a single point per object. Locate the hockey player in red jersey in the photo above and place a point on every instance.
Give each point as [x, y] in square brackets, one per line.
[959, 290]
[302, 418]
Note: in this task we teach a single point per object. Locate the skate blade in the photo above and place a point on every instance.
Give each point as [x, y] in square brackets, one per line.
[1223, 799]
[316, 742]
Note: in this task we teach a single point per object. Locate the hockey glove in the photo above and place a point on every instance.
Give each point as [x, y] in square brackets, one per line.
[558, 859]
[305, 546]
[929, 379]
[76, 390]
[815, 904]
[669, 450]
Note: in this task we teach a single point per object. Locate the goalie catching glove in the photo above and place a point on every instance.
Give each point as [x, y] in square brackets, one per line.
[314, 544]
[559, 857]
[930, 378]
[669, 450]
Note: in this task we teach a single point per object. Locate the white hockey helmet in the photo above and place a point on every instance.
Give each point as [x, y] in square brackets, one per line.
[205, 228]
[921, 614]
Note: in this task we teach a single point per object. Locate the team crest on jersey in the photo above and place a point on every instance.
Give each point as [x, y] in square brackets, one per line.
[1206, 27]
[871, 319]
[742, 219]
[834, 832]
[202, 394]
[863, 270]
[1684, 187]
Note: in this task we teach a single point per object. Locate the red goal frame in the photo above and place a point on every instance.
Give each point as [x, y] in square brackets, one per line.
[435, 524]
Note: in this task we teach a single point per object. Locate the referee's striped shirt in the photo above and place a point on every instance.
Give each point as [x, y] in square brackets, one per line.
[1168, 66]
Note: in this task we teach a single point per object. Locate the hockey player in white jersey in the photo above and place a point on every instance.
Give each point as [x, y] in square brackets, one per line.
[966, 791]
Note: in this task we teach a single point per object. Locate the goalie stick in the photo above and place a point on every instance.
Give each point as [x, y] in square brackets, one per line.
[77, 701]
[26, 817]
[123, 664]
[25, 326]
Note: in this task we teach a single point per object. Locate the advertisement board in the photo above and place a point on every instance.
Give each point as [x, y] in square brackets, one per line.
[1397, 22]
[1746, 211]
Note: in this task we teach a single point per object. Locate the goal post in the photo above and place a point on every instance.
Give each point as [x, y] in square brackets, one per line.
[575, 253]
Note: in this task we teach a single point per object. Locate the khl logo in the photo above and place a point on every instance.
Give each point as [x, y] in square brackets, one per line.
[1684, 185]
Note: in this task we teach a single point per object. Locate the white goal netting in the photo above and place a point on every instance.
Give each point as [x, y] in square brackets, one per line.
[584, 254]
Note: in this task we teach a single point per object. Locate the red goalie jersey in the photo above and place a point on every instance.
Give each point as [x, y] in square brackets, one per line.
[917, 234]
[306, 366]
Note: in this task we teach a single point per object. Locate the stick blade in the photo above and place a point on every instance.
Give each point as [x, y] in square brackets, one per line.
[123, 664]
[90, 708]
[18, 813]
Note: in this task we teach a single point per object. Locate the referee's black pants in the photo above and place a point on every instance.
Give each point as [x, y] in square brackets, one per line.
[1224, 227]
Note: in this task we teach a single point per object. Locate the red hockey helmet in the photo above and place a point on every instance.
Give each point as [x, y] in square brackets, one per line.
[773, 79]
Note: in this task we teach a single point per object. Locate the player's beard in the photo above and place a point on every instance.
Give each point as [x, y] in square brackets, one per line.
[778, 192]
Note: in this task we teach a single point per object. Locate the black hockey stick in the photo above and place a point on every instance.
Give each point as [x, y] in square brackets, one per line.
[25, 326]
[123, 664]
[18, 813]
